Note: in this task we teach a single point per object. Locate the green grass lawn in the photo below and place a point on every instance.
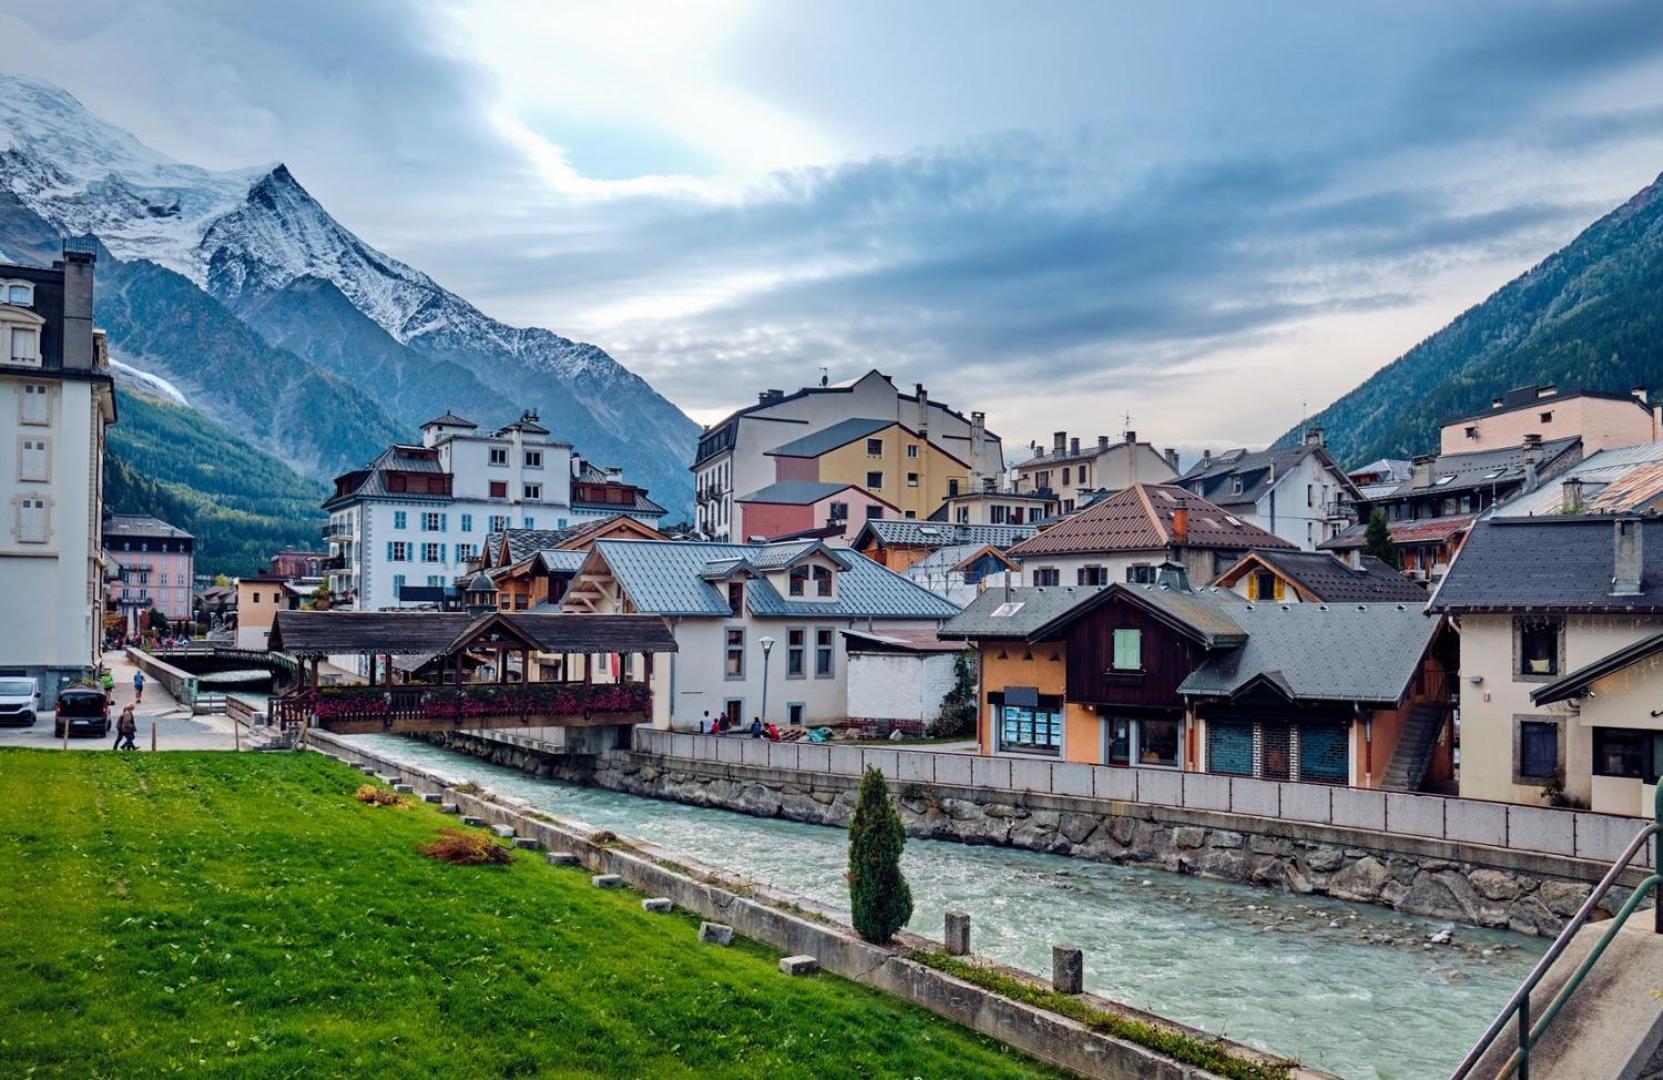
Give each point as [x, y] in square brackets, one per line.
[242, 914]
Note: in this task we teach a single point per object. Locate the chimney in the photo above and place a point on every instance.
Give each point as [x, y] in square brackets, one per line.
[1626, 570]
[1420, 470]
[1206, 457]
[978, 434]
[1172, 459]
[1180, 526]
[923, 397]
[1102, 443]
[1531, 454]
[78, 261]
[1074, 446]
[1172, 575]
[1313, 435]
[1059, 441]
[1131, 438]
[1571, 496]
[1639, 393]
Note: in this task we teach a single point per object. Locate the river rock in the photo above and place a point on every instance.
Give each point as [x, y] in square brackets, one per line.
[1325, 858]
[1270, 845]
[1123, 829]
[1531, 916]
[1077, 827]
[1563, 897]
[1493, 884]
[1362, 880]
[1443, 895]
[1225, 864]
[1150, 841]
[1224, 838]
[1189, 836]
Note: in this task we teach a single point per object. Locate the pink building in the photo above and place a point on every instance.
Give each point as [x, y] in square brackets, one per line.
[156, 567]
[788, 507]
[1602, 420]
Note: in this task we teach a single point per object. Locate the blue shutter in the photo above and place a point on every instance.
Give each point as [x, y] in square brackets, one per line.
[389, 551]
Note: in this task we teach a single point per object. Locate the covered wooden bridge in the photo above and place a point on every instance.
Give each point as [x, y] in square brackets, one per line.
[424, 665]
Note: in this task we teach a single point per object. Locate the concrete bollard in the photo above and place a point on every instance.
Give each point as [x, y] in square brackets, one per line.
[658, 904]
[716, 933]
[404, 789]
[433, 797]
[958, 934]
[561, 858]
[449, 808]
[476, 822]
[527, 843]
[1068, 969]
[799, 965]
[607, 881]
[504, 831]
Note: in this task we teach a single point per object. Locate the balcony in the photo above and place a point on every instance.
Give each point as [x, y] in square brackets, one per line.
[333, 531]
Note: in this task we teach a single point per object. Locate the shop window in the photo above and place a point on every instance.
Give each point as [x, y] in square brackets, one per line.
[1119, 750]
[1029, 723]
[1158, 742]
[1276, 752]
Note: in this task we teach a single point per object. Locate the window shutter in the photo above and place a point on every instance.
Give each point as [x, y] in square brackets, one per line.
[1280, 588]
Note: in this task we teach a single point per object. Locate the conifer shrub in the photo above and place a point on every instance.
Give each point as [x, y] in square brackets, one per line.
[878, 893]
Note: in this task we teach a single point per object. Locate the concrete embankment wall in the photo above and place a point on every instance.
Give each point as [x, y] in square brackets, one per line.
[775, 921]
[180, 684]
[1529, 891]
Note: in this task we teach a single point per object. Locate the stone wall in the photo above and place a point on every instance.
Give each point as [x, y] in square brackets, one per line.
[1469, 883]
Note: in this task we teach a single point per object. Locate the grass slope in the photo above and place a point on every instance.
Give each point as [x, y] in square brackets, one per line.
[241, 504]
[241, 915]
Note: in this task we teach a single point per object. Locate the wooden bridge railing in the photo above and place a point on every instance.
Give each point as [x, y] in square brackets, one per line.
[411, 708]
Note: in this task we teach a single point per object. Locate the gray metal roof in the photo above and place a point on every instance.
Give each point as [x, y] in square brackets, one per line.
[1320, 652]
[1497, 468]
[1595, 471]
[559, 561]
[1549, 564]
[141, 526]
[1211, 478]
[1332, 581]
[841, 433]
[668, 578]
[1016, 612]
[794, 492]
[904, 533]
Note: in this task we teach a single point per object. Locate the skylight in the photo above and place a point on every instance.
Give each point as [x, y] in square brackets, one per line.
[1442, 480]
[1236, 521]
[1007, 609]
[1168, 496]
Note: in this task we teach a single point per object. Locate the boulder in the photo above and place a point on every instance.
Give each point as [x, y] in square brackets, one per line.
[1531, 916]
[1442, 895]
[1563, 897]
[1077, 827]
[1224, 838]
[1269, 845]
[1189, 836]
[1362, 880]
[1493, 884]
[1324, 859]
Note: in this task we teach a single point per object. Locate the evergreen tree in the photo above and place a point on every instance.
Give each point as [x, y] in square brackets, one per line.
[878, 894]
[958, 706]
[1377, 540]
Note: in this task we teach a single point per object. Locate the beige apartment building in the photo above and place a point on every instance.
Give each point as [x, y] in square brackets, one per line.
[1603, 420]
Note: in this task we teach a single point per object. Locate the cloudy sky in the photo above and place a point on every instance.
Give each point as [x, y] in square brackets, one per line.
[1207, 215]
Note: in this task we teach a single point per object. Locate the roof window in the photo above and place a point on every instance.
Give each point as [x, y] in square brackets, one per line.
[1007, 609]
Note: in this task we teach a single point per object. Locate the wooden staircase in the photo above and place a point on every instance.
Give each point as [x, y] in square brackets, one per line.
[1415, 746]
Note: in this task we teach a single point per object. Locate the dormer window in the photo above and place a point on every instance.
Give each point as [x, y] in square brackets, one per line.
[24, 346]
[20, 294]
[822, 581]
[799, 580]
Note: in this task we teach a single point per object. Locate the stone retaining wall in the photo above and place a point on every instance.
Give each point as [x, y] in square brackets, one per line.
[1527, 892]
[712, 894]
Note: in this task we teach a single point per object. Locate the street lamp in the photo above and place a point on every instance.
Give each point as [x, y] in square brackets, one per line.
[767, 644]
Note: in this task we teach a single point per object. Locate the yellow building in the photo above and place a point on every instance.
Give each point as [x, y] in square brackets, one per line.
[883, 457]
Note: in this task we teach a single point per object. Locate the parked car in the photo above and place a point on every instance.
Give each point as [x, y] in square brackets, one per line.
[85, 709]
[19, 700]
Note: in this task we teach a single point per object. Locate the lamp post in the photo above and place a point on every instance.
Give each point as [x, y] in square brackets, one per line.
[767, 644]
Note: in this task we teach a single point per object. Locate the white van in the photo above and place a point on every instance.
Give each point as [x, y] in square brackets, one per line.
[19, 700]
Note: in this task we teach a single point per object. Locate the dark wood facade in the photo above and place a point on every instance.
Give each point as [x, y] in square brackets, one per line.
[1169, 655]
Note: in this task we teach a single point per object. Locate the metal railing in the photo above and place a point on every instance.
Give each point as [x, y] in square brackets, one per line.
[1530, 1032]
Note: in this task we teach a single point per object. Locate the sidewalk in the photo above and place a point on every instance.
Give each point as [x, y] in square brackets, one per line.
[175, 727]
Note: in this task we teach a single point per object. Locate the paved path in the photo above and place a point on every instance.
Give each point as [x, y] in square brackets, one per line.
[176, 728]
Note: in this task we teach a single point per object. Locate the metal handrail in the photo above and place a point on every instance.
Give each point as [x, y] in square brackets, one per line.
[1519, 1003]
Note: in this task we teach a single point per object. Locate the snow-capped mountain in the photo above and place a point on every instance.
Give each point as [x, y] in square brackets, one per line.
[257, 241]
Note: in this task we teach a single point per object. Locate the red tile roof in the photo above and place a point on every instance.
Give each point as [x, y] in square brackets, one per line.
[1141, 519]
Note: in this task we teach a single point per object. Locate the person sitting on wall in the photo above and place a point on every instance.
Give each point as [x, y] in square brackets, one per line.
[756, 727]
[771, 730]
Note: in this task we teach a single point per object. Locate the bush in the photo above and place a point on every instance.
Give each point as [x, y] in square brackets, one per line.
[958, 707]
[878, 894]
[370, 795]
[465, 849]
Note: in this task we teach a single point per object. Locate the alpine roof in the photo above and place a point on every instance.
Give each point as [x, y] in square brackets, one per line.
[1323, 578]
[1549, 564]
[450, 419]
[668, 578]
[370, 481]
[141, 525]
[1140, 518]
[907, 641]
[1320, 652]
[419, 633]
[1040, 612]
[1415, 531]
[1533, 397]
[794, 492]
[1490, 468]
[1016, 612]
[904, 533]
[1259, 471]
[826, 439]
[641, 505]
[1595, 471]
[944, 559]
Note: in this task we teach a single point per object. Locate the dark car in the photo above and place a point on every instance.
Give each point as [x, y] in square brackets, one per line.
[86, 710]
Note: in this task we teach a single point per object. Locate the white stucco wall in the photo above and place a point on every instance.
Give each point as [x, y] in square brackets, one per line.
[898, 686]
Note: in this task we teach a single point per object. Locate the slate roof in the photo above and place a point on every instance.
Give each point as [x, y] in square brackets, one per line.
[1595, 471]
[1212, 478]
[1548, 564]
[1210, 614]
[1328, 580]
[426, 633]
[667, 578]
[839, 434]
[450, 419]
[370, 481]
[794, 492]
[641, 505]
[944, 559]
[524, 543]
[1140, 519]
[137, 526]
[1320, 652]
[1033, 607]
[933, 534]
[1497, 468]
[561, 561]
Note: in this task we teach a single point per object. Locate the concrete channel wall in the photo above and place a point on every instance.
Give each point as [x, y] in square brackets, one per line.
[180, 683]
[775, 921]
[1537, 830]
[1462, 881]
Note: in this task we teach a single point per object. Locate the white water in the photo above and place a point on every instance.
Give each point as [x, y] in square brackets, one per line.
[1306, 977]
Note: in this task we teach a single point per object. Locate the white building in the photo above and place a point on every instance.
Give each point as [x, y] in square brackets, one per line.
[1070, 472]
[406, 526]
[753, 620]
[1298, 492]
[900, 679]
[56, 399]
[732, 457]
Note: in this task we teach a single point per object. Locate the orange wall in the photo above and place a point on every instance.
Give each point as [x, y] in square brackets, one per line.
[1081, 740]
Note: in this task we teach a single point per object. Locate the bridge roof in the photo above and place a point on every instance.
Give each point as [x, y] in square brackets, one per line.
[411, 633]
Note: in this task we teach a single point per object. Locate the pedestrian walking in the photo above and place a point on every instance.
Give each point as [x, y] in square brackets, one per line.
[125, 728]
[138, 687]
